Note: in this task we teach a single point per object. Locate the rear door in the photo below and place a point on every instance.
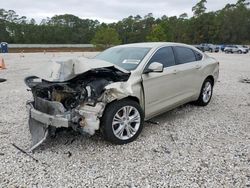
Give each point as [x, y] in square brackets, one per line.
[188, 70]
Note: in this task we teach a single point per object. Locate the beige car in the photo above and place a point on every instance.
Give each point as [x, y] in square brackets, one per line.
[120, 88]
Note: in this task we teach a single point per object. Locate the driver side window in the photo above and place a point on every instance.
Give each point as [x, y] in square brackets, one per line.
[164, 56]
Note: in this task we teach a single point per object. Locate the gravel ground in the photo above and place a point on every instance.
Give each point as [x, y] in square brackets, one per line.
[191, 147]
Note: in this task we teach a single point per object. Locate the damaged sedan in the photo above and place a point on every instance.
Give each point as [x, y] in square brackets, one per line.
[116, 91]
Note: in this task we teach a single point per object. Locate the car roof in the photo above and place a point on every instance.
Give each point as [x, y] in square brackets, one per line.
[152, 44]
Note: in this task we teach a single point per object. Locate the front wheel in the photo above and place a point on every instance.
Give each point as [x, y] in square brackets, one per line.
[205, 93]
[122, 121]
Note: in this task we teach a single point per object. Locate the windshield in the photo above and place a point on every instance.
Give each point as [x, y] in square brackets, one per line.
[125, 57]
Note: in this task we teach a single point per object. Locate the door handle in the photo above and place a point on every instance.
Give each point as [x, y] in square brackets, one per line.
[197, 66]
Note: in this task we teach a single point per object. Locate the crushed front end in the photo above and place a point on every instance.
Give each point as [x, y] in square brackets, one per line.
[77, 102]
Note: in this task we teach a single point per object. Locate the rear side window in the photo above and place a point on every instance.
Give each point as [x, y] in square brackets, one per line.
[184, 55]
[198, 55]
[165, 56]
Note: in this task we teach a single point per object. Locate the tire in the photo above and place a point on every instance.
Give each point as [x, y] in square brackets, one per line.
[202, 100]
[211, 50]
[129, 131]
[226, 51]
[239, 52]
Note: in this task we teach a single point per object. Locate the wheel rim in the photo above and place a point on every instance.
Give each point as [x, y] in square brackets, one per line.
[207, 92]
[126, 122]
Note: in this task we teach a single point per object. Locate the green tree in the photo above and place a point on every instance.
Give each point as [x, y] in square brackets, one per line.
[106, 37]
[231, 24]
[157, 34]
[183, 16]
[199, 8]
[33, 21]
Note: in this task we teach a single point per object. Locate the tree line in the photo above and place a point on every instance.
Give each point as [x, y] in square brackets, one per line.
[230, 24]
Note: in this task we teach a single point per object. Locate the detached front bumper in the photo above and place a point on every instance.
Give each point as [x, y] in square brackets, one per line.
[42, 115]
[49, 113]
[48, 120]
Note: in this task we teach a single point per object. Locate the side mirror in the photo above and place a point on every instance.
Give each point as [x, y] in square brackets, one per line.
[154, 67]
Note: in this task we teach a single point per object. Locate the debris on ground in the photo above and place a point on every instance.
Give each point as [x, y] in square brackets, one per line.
[69, 154]
[2, 80]
[245, 80]
[25, 152]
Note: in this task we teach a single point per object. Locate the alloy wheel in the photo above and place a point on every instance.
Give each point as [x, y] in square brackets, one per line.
[126, 122]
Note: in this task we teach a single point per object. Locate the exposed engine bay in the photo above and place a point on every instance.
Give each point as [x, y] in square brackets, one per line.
[77, 103]
[85, 88]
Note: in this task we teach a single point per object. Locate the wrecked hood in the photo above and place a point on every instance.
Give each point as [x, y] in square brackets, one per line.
[61, 69]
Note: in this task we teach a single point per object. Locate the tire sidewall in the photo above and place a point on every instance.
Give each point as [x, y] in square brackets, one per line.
[107, 119]
[207, 80]
[200, 101]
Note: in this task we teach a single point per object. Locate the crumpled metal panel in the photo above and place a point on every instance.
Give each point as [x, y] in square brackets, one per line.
[55, 121]
[38, 131]
[61, 69]
[49, 107]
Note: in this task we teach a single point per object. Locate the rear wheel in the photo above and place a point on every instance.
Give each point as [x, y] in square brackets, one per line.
[239, 52]
[122, 121]
[205, 93]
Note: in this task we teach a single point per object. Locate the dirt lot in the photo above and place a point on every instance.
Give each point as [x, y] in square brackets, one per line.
[192, 146]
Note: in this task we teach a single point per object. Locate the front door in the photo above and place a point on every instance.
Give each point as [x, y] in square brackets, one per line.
[160, 89]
